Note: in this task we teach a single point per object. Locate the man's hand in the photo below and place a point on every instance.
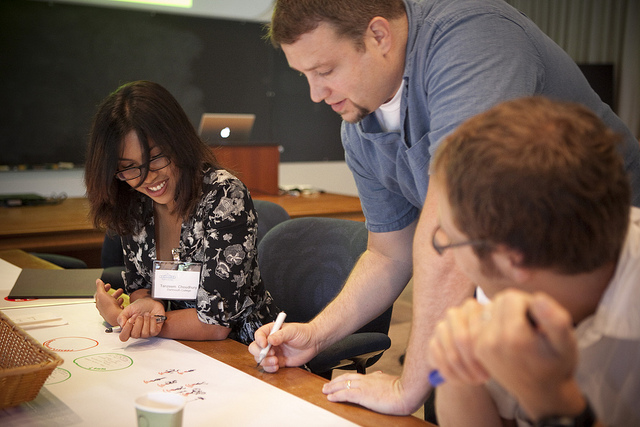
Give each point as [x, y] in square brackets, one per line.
[377, 391]
[524, 342]
[529, 347]
[452, 347]
[292, 345]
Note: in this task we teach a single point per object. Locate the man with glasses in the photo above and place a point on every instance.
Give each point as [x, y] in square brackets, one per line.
[534, 208]
[403, 75]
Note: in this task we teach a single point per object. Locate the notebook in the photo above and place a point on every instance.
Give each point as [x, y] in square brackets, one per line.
[222, 129]
[37, 283]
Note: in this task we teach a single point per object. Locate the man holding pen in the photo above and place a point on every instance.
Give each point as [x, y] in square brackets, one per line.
[559, 343]
[403, 75]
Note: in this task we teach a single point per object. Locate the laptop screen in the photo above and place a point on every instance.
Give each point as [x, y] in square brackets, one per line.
[221, 129]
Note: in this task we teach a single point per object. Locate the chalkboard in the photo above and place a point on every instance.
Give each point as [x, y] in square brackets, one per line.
[58, 61]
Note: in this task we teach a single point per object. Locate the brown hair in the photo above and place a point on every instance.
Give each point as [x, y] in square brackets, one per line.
[155, 115]
[293, 18]
[543, 178]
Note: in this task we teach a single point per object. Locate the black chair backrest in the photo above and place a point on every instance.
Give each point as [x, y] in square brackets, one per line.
[305, 262]
[111, 255]
[270, 214]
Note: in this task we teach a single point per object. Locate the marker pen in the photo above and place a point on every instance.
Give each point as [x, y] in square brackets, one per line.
[276, 328]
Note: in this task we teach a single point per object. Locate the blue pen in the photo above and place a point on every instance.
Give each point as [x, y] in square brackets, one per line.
[435, 379]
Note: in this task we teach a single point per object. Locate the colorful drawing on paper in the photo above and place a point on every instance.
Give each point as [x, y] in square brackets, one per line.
[104, 362]
[59, 375]
[69, 344]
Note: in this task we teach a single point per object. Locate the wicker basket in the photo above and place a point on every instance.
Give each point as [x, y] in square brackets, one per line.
[24, 364]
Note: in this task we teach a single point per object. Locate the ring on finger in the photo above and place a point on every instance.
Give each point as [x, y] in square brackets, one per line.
[349, 385]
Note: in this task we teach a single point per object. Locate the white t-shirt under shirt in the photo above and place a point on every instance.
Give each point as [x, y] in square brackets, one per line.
[388, 114]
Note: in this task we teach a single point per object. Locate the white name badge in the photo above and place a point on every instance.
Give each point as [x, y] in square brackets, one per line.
[175, 280]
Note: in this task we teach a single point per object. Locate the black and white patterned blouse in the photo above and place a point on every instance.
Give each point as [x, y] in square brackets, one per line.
[222, 236]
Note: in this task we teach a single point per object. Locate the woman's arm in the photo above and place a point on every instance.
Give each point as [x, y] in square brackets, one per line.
[185, 324]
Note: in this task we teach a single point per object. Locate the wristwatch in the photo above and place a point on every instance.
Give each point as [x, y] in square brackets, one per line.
[585, 419]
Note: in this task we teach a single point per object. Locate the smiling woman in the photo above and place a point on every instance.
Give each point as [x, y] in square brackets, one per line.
[152, 180]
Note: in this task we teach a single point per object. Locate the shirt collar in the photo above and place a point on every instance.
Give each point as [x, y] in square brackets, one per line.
[617, 315]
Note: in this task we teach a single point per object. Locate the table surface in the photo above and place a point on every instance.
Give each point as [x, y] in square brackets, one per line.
[296, 381]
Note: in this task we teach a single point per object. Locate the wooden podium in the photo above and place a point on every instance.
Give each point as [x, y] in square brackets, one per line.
[255, 165]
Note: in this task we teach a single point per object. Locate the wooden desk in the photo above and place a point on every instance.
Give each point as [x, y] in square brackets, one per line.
[319, 204]
[255, 165]
[296, 381]
[65, 228]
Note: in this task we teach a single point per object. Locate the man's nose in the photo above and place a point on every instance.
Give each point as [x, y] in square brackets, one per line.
[317, 90]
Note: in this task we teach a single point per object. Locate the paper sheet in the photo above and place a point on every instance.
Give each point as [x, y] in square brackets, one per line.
[101, 376]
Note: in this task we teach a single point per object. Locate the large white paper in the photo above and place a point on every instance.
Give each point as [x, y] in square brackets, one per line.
[101, 376]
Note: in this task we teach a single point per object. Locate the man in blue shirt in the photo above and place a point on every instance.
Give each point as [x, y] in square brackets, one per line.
[403, 75]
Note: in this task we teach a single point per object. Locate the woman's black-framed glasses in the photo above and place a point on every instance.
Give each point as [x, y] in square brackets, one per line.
[154, 164]
[441, 243]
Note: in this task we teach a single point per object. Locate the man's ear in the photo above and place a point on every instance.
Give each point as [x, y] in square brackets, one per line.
[380, 30]
[509, 263]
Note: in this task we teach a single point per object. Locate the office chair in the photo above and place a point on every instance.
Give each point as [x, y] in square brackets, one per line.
[112, 258]
[112, 261]
[64, 261]
[269, 215]
[304, 263]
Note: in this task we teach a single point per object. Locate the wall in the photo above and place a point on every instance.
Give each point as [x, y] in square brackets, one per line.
[242, 10]
[59, 61]
[332, 177]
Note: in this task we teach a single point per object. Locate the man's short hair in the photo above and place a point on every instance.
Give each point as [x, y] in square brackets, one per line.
[542, 177]
[293, 18]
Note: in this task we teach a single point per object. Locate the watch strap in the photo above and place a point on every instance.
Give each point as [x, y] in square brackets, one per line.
[585, 419]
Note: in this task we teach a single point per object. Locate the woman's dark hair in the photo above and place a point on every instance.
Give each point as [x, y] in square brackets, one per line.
[153, 114]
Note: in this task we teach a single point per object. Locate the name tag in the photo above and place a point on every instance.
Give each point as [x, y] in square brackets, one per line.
[176, 280]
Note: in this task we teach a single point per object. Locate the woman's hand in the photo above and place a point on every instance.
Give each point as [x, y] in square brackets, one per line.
[139, 319]
[109, 305]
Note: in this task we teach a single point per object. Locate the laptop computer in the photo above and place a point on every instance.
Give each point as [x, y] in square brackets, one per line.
[223, 129]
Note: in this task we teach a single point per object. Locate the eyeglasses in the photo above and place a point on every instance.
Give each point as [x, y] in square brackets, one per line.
[154, 164]
[440, 241]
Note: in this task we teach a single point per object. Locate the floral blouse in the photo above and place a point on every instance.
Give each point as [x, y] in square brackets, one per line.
[221, 235]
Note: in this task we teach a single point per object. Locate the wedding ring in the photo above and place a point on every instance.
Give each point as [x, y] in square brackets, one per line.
[349, 385]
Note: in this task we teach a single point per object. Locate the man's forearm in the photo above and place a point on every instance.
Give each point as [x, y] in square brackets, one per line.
[430, 302]
[437, 285]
